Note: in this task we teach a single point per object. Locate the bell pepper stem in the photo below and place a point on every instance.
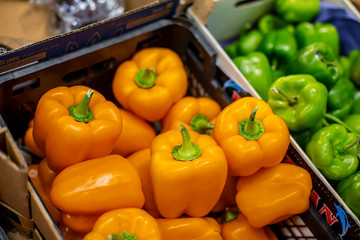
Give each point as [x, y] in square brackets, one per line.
[145, 77]
[122, 236]
[292, 101]
[250, 128]
[352, 144]
[188, 150]
[338, 121]
[81, 112]
[201, 124]
[229, 215]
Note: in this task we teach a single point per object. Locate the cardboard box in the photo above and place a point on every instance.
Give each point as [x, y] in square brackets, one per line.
[234, 14]
[44, 45]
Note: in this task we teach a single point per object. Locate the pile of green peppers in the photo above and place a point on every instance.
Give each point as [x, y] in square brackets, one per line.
[295, 65]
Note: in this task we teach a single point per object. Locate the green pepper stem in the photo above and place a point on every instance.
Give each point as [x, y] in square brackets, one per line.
[81, 112]
[250, 128]
[145, 77]
[229, 215]
[338, 121]
[201, 124]
[122, 236]
[188, 150]
[352, 144]
[292, 101]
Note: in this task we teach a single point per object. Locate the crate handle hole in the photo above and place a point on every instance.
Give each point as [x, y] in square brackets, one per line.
[102, 66]
[19, 88]
[241, 3]
[75, 76]
[147, 42]
[194, 51]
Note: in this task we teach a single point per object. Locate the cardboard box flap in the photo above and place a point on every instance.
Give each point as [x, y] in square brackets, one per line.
[13, 183]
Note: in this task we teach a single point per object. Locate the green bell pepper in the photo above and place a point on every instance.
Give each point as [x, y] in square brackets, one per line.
[270, 22]
[307, 33]
[318, 60]
[249, 42]
[279, 46]
[353, 121]
[256, 69]
[231, 50]
[356, 106]
[299, 100]
[344, 65]
[341, 98]
[349, 190]
[354, 57]
[334, 151]
[295, 11]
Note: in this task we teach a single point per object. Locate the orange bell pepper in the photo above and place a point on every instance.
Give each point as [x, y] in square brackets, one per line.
[150, 82]
[188, 172]
[235, 226]
[136, 134]
[68, 234]
[29, 140]
[46, 175]
[125, 223]
[251, 135]
[33, 173]
[96, 186]
[273, 194]
[196, 113]
[227, 198]
[81, 224]
[141, 161]
[74, 124]
[190, 228]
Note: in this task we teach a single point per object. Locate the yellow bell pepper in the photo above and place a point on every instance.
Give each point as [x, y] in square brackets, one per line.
[69, 234]
[141, 161]
[29, 140]
[273, 194]
[73, 124]
[227, 198]
[195, 113]
[136, 134]
[96, 186]
[235, 226]
[125, 223]
[189, 228]
[251, 135]
[81, 224]
[188, 172]
[150, 82]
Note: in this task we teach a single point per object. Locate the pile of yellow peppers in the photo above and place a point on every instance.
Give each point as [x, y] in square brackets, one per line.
[106, 173]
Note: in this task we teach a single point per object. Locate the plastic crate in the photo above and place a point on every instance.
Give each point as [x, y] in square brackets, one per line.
[94, 66]
[234, 14]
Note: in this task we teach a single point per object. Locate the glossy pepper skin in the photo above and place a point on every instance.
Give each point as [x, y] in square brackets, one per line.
[97, 185]
[134, 128]
[353, 120]
[251, 139]
[256, 68]
[334, 151]
[341, 98]
[188, 172]
[249, 41]
[294, 11]
[299, 100]
[235, 226]
[196, 113]
[307, 33]
[125, 223]
[150, 82]
[349, 190]
[318, 60]
[356, 105]
[354, 58]
[87, 131]
[270, 22]
[279, 46]
[274, 194]
[29, 140]
[81, 224]
[189, 228]
[70, 234]
[141, 161]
